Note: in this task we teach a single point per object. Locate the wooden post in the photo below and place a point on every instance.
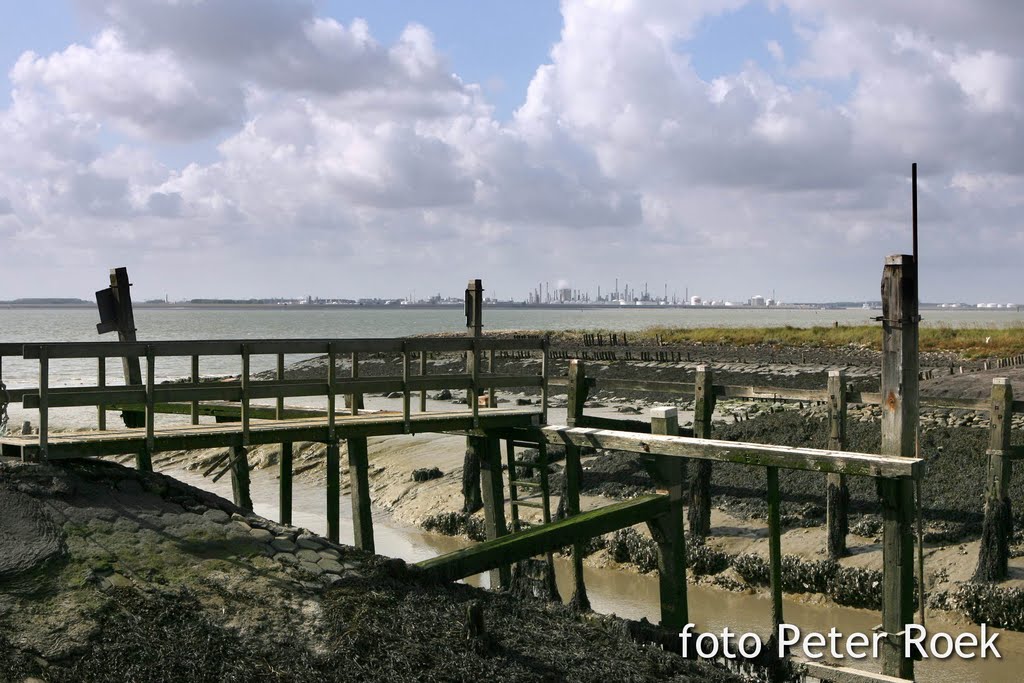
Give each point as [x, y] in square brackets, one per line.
[573, 473]
[195, 381]
[699, 512]
[423, 373]
[775, 548]
[120, 288]
[359, 492]
[899, 437]
[101, 381]
[355, 400]
[144, 459]
[44, 401]
[837, 495]
[488, 451]
[240, 477]
[667, 530]
[997, 529]
[285, 473]
[577, 396]
[471, 494]
[333, 492]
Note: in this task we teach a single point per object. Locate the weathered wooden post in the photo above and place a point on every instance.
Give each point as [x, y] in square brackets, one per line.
[837, 495]
[667, 529]
[487, 450]
[116, 314]
[285, 464]
[997, 529]
[775, 548]
[359, 491]
[899, 437]
[471, 463]
[239, 465]
[573, 475]
[699, 513]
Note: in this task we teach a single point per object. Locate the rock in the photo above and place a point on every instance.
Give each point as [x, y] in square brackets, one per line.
[30, 538]
[261, 535]
[283, 545]
[443, 395]
[330, 554]
[524, 402]
[306, 555]
[218, 516]
[330, 566]
[311, 568]
[426, 474]
[309, 542]
[286, 558]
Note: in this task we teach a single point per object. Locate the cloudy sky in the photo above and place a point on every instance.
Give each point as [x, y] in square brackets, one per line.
[284, 147]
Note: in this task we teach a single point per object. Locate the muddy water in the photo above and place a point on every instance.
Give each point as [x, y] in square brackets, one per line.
[636, 596]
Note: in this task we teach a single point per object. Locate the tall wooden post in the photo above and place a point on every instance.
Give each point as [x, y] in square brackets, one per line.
[775, 548]
[471, 495]
[359, 491]
[837, 495]
[699, 513]
[997, 529]
[899, 437]
[487, 450]
[285, 465]
[573, 475]
[667, 529]
[124, 324]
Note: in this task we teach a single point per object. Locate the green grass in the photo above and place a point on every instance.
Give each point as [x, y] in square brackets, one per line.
[985, 342]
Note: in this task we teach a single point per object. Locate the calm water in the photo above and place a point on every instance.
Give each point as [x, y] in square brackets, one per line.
[55, 324]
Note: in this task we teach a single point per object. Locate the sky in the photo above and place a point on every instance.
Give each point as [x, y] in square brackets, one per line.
[257, 148]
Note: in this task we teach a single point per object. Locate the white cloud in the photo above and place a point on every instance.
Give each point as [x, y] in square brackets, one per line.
[338, 156]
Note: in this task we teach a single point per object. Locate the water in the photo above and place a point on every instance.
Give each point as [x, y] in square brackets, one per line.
[79, 324]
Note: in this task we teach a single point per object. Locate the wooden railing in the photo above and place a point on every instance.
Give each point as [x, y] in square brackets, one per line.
[245, 390]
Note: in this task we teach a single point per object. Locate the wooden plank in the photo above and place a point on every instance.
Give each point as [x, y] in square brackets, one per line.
[577, 392]
[359, 492]
[786, 457]
[101, 381]
[67, 397]
[196, 379]
[423, 375]
[120, 287]
[44, 403]
[550, 537]
[900, 421]
[770, 393]
[245, 395]
[144, 458]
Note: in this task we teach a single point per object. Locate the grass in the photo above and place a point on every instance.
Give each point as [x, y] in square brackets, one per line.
[983, 342]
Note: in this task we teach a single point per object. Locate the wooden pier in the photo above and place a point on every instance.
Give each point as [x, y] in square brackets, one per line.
[678, 459]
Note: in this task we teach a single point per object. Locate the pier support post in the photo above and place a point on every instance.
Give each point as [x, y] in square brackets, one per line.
[837, 495]
[285, 485]
[471, 499]
[240, 477]
[699, 513]
[577, 397]
[333, 492]
[667, 530]
[488, 452]
[359, 491]
[997, 529]
[899, 437]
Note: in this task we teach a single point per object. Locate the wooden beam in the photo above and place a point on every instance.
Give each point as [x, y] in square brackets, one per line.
[900, 421]
[126, 333]
[537, 540]
[786, 457]
[285, 474]
[775, 548]
[699, 511]
[240, 477]
[997, 528]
